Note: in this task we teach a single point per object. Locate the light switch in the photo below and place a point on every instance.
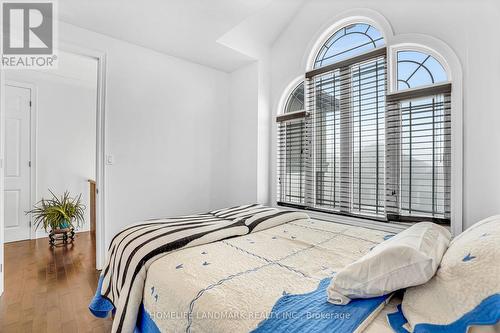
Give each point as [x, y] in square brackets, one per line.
[110, 159]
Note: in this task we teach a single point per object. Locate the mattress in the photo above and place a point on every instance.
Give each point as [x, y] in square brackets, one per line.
[137, 246]
[238, 284]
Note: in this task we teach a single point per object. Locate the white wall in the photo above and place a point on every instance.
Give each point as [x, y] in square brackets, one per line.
[65, 115]
[167, 129]
[264, 123]
[175, 128]
[249, 133]
[243, 135]
[470, 29]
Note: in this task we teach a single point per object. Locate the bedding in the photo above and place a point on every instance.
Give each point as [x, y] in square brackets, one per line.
[269, 281]
[408, 259]
[378, 325]
[135, 248]
[465, 290]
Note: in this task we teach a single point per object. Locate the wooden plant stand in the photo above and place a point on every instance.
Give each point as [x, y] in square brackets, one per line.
[61, 235]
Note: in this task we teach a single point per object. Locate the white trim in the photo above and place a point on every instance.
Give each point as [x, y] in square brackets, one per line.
[33, 142]
[100, 56]
[287, 91]
[431, 45]
[393, 63]
[101, 170]
[450, 62]
[2, 159]
[352, 16]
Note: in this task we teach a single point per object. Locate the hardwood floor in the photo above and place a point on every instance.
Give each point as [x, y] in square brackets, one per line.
[49, 290]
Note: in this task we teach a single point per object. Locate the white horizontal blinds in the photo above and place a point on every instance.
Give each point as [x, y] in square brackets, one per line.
[368, 139]
[293, 150]
[292, 156]
[353, 148]
[347, 107]
[324, 98]
[419, 156]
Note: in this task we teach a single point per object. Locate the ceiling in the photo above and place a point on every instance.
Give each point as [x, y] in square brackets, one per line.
[188, 29]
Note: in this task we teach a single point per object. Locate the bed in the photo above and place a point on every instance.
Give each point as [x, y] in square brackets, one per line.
[242, 269]
[233, 285]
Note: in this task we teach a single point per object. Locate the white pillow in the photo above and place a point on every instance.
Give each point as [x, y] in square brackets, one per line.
[466, 288]
[408, 259]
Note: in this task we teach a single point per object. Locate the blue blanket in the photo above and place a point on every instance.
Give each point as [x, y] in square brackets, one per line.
[312, 313]
[302, 313]
[486, 313]
[100, 306]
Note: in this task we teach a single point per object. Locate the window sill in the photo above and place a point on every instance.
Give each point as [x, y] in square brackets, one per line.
[394, 227]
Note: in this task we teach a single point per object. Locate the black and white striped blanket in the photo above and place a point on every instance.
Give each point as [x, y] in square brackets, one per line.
[135, 248]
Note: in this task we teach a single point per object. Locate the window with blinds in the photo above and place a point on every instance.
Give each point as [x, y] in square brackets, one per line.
[292, 150]
[347, 146]
[419, 141]
[346, 105]
[418, 155]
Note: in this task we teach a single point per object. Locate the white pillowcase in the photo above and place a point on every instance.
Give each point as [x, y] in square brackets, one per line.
[408, 259]
[454, 298]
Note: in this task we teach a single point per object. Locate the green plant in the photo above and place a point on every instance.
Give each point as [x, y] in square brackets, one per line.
[58, 212]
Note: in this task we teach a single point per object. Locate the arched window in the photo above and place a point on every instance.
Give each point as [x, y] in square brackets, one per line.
[292, 143]
[416, 69]
[295, 101]
[349, 146]
[421, 137]
[347, 87]
[348, 42]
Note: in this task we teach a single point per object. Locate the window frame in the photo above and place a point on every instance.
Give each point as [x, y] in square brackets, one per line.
[394, 108]
[392, 64]
[419, 92]
[287, 119]
[344, 27]
[344, 67]
[394, 43]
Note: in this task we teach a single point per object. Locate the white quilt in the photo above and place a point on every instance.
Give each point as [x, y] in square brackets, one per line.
[232, 285]
[136, 247]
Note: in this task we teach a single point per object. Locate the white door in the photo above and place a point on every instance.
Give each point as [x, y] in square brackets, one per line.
[17, 162]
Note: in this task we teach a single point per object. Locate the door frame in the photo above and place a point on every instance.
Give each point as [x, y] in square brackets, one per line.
[101, 58]
[100, 225]
[32, 144]
[2, 180]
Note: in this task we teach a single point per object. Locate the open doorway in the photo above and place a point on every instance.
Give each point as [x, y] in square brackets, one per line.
[51, 127]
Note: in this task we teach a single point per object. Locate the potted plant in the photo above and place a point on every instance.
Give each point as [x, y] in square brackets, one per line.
[59, 215]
